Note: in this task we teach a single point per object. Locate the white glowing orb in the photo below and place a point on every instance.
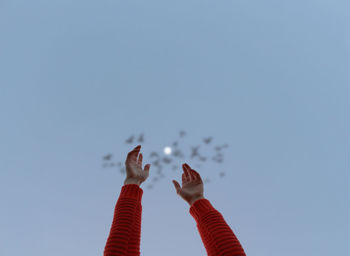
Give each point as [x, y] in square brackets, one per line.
[167, 150]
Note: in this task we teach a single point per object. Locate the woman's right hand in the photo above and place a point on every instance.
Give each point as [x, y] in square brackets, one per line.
[192, 185]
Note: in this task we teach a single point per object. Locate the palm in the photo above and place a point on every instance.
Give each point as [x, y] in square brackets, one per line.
[135, 170]
[192, 185]
[133, 165]
[192, 188]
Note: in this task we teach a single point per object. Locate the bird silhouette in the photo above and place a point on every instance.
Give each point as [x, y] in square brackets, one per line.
[202, 158]
[222, 174]
[219, 154]
[194, 151]
[156, 162]
[207, 140]
[166, 160]
[217, 148]
[175, 143]
[178, 153]
[140, 138]
[154, 154]
[160, 173]
[182, 133]
[224, 146]
[107, 157]
[217, 159]
[130, 140]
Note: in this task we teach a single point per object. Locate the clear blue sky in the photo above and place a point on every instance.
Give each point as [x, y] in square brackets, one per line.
[270, 78]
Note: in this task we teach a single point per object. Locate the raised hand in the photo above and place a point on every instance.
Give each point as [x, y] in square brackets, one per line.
[192, 185]
[133, 165]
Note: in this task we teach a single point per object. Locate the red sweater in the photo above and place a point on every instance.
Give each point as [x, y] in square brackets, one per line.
[125, 233]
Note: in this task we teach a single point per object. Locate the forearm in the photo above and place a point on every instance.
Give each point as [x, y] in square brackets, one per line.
[125, 222]
[217, 236]
[135, 236]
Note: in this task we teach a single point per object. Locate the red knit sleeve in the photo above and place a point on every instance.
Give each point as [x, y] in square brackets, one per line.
[135, 238]
[217, 236]
[125, 232]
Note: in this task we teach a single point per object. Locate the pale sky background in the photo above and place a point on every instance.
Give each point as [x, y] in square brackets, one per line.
[270, 78]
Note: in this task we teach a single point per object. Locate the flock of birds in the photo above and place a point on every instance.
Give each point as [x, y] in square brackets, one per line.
[158, 161]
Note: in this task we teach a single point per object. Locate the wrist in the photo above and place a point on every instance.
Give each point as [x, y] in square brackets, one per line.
[131, 181]
[195, 199]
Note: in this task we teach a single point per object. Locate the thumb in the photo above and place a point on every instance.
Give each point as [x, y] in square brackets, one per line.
[177, 186]
[147, 166]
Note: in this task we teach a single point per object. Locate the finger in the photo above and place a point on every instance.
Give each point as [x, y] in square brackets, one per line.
[184, 174]
[139, 161]
[193, 175]
[196, 174]
[184, 179]
[147, 167]
[177, 186]
[132, 155]
[187, 168]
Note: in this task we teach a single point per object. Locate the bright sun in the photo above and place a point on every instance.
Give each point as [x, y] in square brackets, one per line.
[167, 150]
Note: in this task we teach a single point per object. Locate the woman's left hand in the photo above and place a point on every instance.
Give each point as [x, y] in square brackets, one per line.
[134, 172]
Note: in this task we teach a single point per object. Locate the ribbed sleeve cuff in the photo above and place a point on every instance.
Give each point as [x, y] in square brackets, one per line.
[131, 191]
[200, 208]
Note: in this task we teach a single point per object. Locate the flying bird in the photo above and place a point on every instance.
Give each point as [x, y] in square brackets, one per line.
[219, 154]
[107, 157]
[222, 174]
[156, 162]
[207, 140]
[159, 171]
[182, 133]
[154, 154]
[217, 159]
[130, 140]
[202, 158]
[178, 153]
[175, 143]
[194, 151]
[140, 138]
[217, 148]
[166, 160]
